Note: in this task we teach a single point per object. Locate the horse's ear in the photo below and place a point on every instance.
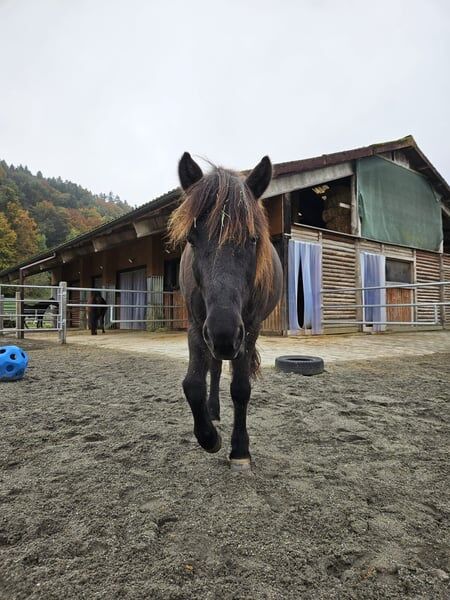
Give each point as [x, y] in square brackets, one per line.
[188, 171]
[260, 177]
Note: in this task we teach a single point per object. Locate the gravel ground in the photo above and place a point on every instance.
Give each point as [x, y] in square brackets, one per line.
[104, 493]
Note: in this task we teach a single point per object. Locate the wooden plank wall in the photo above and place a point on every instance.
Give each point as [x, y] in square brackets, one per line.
[338, 271]
[274, 322]
[427, 270]
[304, 234]
[179, 312]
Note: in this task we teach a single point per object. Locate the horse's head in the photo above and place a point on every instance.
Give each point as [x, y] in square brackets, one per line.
[227, 230]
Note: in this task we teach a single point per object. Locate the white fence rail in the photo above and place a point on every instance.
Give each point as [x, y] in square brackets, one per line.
[20, 314]
[436, 306]
[156, 309]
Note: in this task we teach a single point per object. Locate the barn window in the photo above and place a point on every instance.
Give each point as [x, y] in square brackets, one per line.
[398, 271]
[327, 206]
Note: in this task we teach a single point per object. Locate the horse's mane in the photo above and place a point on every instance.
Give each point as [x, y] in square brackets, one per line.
[232, 215]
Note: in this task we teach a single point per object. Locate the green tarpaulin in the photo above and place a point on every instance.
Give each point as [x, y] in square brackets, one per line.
[397, 205]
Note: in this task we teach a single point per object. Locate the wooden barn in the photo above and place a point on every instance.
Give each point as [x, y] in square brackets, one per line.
[376, 217]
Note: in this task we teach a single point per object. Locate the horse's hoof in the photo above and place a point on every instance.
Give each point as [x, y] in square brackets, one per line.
[240, 465]
[217, 447]
[216, 423]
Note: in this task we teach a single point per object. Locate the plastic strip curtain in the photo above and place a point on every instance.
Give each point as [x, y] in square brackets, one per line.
[373, 272]
[308, 258]
[133, 280]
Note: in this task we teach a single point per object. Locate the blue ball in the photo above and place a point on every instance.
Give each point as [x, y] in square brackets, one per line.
[13, 362]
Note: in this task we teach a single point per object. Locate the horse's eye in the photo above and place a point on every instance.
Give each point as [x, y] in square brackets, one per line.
[254, 239]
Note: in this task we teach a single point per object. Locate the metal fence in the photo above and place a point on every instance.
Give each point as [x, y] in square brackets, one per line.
[19, 313]
[364, 311]
[135, 309]
[153, 310]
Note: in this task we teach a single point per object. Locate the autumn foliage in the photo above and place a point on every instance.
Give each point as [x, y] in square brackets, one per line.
[38, 213]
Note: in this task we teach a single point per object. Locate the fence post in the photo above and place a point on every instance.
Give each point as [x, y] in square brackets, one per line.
[2, 312]
[436, 315]
[62, 297]
[19, 320]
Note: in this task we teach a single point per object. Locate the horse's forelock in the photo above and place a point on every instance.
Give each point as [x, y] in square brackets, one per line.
[232, 214]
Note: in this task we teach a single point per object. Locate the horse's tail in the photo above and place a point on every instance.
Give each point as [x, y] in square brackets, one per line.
[255, 364]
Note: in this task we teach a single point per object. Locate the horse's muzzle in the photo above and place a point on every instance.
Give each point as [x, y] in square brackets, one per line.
[224, 343]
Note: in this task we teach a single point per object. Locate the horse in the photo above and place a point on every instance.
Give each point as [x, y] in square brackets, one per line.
[39, 308]
[231, 279]
[96, 315]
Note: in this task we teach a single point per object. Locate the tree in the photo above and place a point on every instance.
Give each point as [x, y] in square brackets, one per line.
[53, 223]
[9, 192]
[7, 243]
[53, 210]
[28, 239]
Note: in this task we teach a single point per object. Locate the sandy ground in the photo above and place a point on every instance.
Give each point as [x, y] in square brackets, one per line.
[104, 493]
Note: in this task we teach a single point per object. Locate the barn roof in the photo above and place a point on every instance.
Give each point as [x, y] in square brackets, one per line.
[416, 158]
[408, 145]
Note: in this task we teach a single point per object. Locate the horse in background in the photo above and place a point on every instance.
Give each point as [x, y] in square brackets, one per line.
[231, 279]
[38, 309]
[96, 314]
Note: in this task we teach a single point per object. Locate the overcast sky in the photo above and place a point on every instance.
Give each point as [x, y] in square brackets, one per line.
[109, 93]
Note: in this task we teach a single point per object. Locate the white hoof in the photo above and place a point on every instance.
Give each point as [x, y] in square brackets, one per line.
[240, 465]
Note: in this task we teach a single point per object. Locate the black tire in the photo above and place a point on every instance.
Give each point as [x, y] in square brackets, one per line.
[302, 365]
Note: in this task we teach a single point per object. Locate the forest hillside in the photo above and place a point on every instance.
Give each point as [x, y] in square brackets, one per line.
[38, 213]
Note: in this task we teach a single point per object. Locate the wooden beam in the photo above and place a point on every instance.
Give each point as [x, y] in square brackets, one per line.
[68, 255]
[354, 217]
[106, 241]
[73, 253]
[287, 213]
[289, 183]
[287, 225]
[151, 225]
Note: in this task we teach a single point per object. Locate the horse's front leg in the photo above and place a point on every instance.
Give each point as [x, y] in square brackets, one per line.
[194, 386]
[215, 370]
[240, 388]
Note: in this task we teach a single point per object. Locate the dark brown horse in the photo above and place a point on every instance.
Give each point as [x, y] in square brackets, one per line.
[96, 315]
[231, 279]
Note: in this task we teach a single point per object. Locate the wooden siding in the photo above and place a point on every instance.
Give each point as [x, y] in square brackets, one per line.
[369, 246]
[305, 234]
[73, 312]
[427, 270]
[338, 271]
[398, 253]
[274, 322]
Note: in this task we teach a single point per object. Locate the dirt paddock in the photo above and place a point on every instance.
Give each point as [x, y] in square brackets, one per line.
[104, 493]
